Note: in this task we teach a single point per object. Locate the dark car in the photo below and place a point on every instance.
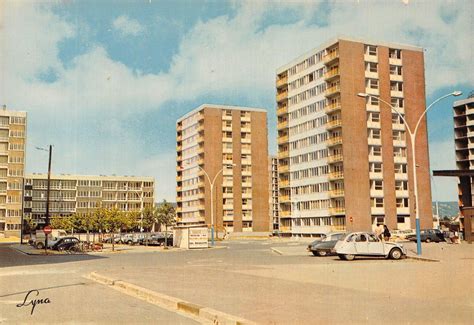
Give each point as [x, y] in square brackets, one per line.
[326, 245]
[157, 239]
[428, 235]
[65, 243]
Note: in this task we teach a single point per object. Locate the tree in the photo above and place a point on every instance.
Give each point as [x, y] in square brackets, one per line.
[99, 220]
[148, 217]
[88, 223]
[165, 216]
[130, 219]
[113, 222]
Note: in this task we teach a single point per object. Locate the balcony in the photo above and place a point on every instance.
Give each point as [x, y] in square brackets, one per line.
[334, 90]
[281, 96]
[335, 158]
[285, 213]
[285, 183]
[281, 81]
[334, 141]
[284, 198]
[283, 124]
[337, 211]
[179, 147]
[336, 176]
[331, 74]
[283, 168]
[331, 108]
[282, 110]
[283, 139]
[331, 57]
[336, 193]
[283, 154]
[333, 124]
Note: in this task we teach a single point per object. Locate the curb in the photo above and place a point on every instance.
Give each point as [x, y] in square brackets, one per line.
[277, 251]
[424, 259]
[171, 303]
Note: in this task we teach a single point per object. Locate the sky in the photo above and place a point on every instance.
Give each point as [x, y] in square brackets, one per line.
[104, 82]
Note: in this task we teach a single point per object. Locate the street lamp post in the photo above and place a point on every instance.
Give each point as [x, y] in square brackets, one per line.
[211, 183]
[412, 135]
[47, 191]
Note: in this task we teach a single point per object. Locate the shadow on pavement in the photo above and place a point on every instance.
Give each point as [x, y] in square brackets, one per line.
[10, 257]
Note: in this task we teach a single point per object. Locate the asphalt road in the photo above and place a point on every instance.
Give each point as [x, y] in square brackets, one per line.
[249, 280]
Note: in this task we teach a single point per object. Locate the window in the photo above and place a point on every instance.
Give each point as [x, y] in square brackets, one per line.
[370, 50]
[396, 86]
[395, 70]
[377, 185]
[372, 83]
[370, 67]
[397, 102]
[395, 53]
[377, 202]
[374, 117]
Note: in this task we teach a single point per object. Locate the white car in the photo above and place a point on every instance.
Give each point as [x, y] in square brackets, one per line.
[367, 244]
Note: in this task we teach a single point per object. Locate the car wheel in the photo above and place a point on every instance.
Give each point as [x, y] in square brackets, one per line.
[428, 240]
[395, 254]
[341, 256]
[349, 257]
[315, 253]
[129, 243]
[322, 253]
[40, 245]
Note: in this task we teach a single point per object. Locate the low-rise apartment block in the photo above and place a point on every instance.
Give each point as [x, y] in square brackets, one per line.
[80, 194]
[226, 145]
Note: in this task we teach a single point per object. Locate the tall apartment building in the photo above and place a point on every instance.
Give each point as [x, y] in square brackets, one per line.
[464, 134]
[230, 145]
[273, 194]
[344, 160]
[12, 166]
[79, 194]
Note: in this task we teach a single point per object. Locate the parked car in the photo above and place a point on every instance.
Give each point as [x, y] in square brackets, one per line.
[39, 240]
[109, 239]
[65, 243]
[401, 234]
[326, 246]
[157, 239]
[428, 235]
[367, 244]
[131, 239]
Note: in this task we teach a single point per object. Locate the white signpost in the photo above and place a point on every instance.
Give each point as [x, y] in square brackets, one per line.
[197, 237]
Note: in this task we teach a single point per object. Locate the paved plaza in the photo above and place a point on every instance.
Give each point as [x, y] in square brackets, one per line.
[265, 282]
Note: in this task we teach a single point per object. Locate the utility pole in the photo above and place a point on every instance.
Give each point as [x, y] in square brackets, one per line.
[47, 194]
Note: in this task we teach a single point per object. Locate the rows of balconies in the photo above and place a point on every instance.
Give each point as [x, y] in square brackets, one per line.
[282, 96]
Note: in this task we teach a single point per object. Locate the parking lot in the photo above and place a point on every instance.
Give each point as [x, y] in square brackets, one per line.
[249, 279]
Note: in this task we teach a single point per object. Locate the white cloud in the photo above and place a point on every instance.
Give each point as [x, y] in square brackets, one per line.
[228, 56]
[127, 26]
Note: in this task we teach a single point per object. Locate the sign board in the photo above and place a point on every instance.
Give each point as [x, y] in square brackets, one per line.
[197, 237]
[47, 230]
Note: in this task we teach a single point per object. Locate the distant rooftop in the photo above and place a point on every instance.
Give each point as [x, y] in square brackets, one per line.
[350, 39]
[237, 108]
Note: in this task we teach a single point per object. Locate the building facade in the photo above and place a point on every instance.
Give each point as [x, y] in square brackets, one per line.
[226, 144]
[464, 133]
[12, 166]
[79, 194]
[274, 206]
[344, 160]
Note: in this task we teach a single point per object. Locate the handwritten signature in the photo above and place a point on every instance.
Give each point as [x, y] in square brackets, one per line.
[33, 302]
